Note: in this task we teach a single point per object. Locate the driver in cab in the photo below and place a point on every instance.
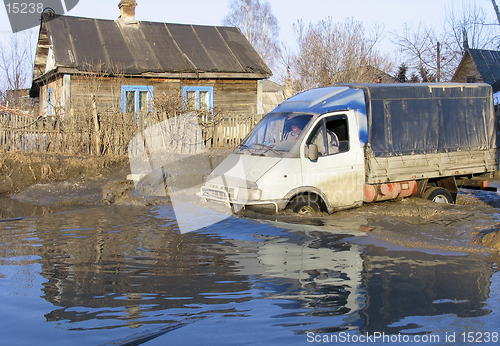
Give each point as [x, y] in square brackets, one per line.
[297, 127]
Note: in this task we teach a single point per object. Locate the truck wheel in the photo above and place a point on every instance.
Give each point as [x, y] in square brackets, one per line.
[438, 195]
[304, 205]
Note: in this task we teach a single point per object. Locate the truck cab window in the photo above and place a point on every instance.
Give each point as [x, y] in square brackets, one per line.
[338, 126]
[331, 136]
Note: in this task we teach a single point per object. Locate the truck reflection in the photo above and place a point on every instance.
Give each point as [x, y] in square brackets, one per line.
[318, 268]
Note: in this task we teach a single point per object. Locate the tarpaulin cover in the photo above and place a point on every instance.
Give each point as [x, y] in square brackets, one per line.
[406, 119]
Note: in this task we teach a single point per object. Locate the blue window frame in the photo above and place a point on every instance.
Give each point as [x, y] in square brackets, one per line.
[199, 97]
[136, 98]
[49, 102]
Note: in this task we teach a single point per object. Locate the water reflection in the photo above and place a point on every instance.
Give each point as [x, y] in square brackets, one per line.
[11, 208]
[413, 283]
[129, 268]
[133, 261]
[315, 271]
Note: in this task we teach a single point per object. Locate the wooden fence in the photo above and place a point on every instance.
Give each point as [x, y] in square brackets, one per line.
[231, 130]
[106, 133]
[20, 132]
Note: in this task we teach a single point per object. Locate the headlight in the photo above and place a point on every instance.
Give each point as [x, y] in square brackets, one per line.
[254, 194]
[249, 194]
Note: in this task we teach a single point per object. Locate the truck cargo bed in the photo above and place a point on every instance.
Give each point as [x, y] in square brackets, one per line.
[421, 166]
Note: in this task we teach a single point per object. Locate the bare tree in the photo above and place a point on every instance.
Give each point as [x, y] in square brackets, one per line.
[435, 56]
[259, 25]
[420, 48]
[497, 12]
[16, 60]
[330, 52]
[466, 23]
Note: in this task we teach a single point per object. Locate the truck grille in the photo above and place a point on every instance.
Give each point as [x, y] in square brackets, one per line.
[217, 191]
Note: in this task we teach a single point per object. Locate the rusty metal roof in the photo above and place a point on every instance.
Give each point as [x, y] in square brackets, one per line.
[87, 44]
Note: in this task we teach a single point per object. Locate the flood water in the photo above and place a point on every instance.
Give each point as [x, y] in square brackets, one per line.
[126, 276]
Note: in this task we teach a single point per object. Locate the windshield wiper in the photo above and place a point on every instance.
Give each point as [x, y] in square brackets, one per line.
[243, 146]
[268, 147]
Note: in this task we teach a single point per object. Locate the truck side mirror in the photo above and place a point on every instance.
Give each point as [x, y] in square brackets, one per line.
[313, 152]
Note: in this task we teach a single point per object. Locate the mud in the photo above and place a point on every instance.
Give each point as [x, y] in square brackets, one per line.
[20, 170]
[38, 183]
[472, 225]
[41, 184]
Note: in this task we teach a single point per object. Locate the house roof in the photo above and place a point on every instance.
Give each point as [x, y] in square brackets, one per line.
[75, 44]
[488, 65]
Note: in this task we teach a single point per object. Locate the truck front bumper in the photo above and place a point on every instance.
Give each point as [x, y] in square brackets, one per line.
[227, 195]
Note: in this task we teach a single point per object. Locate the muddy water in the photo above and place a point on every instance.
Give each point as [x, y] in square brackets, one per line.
[121, 275]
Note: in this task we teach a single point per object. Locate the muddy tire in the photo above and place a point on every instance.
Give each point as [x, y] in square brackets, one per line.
[305, 205]
[438, 195]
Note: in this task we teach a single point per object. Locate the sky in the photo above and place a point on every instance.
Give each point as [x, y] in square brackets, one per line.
[393, 14]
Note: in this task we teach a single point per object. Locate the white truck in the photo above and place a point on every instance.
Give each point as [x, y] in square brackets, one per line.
[336, 147]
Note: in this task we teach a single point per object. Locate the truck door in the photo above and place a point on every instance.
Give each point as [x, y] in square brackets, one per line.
[338, 172]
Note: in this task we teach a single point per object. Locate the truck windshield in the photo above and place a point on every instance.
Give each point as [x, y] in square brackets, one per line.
[276, 133]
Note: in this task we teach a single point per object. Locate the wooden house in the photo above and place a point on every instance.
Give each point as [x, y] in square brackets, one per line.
[125, 63]
[479, 66]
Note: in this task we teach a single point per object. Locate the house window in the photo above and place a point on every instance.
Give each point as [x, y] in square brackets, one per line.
[137, 99]
[471, 79]
[49, 102]
[199, 98]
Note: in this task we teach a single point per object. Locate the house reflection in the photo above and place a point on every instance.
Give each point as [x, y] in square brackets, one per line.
[129, 259]
[129, 264]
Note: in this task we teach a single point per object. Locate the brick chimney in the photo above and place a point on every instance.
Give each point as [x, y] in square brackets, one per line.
[127, 11]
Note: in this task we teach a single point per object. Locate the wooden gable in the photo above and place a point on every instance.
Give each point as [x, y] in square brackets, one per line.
[467, 71]
[479, 66]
